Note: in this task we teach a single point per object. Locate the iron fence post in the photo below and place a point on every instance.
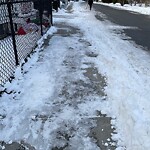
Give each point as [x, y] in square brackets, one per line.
[41, 15]
[12, 32]
[51, 12]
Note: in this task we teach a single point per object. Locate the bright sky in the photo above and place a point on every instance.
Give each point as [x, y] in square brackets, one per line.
[37, 92]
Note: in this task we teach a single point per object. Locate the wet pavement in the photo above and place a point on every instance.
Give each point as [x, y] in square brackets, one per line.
[16, 146]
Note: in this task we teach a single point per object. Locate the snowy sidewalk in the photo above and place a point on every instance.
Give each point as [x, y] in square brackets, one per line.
[55, 100]
[82, 81]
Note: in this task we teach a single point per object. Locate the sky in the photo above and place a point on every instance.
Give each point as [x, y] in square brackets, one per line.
[42, 107]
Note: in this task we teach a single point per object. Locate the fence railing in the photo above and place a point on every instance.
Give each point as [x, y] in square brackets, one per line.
[22, 23]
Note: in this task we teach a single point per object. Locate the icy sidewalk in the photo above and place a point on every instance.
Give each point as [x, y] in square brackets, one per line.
[56, 97]
[84, 69]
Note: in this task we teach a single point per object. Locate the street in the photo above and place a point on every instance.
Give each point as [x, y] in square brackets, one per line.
[138, 24]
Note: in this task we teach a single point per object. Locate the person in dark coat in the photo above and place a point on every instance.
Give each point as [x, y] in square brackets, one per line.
[56, 5]
[44, 5]
[90, 3]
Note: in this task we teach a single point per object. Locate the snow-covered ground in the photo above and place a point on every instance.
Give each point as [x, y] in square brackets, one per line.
[35, 113]
[135, 8]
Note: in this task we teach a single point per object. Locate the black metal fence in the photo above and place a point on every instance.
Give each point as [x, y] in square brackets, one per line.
[22, 23]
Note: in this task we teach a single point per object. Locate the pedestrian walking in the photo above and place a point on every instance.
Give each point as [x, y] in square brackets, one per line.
[90, 3]
[56, 5]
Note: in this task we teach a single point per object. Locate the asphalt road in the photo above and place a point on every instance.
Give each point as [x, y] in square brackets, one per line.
[141, 35]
